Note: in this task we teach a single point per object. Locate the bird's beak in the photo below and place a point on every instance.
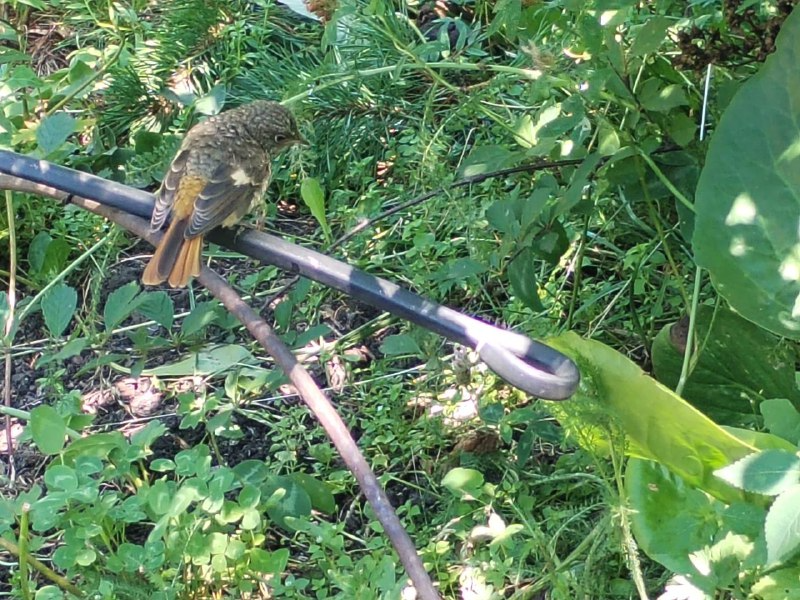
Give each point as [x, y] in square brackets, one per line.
[301, 140]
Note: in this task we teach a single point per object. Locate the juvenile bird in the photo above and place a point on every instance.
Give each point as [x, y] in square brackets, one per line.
[221, 170]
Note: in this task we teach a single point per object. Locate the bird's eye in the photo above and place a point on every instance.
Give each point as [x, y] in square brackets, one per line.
[279, 138]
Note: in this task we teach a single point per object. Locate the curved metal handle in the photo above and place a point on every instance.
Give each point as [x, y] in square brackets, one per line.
[527, 372]
[527, 364]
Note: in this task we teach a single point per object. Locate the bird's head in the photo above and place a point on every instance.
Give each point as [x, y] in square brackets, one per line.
[272, 126]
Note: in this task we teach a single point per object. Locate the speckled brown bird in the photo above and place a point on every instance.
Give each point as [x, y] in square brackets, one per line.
[221, 170]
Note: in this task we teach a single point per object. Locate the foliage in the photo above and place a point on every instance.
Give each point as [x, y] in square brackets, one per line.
[572, 131]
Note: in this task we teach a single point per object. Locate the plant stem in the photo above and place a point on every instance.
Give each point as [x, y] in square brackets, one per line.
[688, 353]
[46, 571]
[363, 73]
[8, 326]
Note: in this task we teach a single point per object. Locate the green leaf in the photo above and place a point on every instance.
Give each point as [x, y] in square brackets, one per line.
[290, 501]
[313, 195]
[162, 465]
[249, 496]
[22, 77]
[486, 159]
[738, 365]
[782, 527]
[781, 418]
[460, 269]
[670, 519]
[682, 128]
[778, 585]
[158, 306]
[120, 304]
[522, 276]
[206, 362]
[98, 445]
[611, 395]
[748, 197]
[10, 55]
[769, 472]
[55, 257]
[212, 102]
[61, 477]
[502, 216]
[159, 497]
[608, 142]
[48, 429]
[399, 345]
[80, 74]
[181, 500]
[58, 306]
[72, 348]
[650, 36]
[653, 96]
[527, 130]
[269, 562]
[202, 315]
[318, 491]
[54, 130]
[464, 483]
[252, 471]
[37, 250]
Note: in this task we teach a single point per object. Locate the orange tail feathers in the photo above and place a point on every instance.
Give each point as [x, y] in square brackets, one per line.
[176, 259]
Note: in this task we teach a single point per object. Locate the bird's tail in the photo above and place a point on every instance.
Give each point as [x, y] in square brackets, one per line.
[176, 258]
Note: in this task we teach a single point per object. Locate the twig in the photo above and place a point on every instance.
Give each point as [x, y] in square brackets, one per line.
[59, 580]
[537, 166]
[314, 398]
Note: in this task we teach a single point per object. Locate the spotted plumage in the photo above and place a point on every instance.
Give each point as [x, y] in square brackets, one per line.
[221, 169]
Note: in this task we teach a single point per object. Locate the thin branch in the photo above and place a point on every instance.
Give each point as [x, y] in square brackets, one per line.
[312, 395]
[538, 166]
[46, 571]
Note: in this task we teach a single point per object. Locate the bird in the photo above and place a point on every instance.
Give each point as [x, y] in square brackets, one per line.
[220, 171]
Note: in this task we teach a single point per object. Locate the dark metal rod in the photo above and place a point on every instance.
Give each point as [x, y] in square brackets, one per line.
[529, 365]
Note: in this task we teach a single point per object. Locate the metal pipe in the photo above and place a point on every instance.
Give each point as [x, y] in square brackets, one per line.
[527, 364]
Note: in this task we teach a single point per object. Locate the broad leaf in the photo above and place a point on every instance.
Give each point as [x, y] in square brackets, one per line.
[48, 429]
[782, 528]
[54, 130]
[120, 304]
[314, 196]
[401, 344]
[206, 362]
[522, 276]
[158, 306]
[464, 482]
[748, 197]
[486, 159]
[58, 306]
[669, 518]
[287, 500]
[657, 423]
[782, 419]
[778, 585]
[738, 366]
[650, 36]
[770, 472]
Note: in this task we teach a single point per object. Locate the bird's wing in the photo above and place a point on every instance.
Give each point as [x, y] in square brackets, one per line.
[165, 197]
[230, 191]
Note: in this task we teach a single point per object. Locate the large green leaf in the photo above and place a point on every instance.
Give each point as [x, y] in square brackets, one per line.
[657, 423]
[669, 518]
[739, 365]
[748, 197]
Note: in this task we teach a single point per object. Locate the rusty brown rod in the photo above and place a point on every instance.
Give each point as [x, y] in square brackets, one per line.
[309, 391]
